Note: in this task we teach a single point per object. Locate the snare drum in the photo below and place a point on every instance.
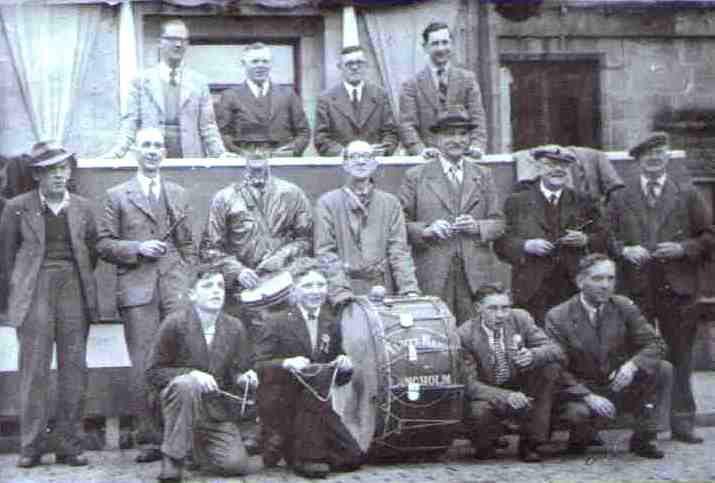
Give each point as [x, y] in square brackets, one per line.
[406, 395]
[271, 290]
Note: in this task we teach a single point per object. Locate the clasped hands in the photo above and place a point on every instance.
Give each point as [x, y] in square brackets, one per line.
[298, 363]
[153, 248]
[442, 229]
[639, 255]
[474, 152]
[541, 247]
[249, 278]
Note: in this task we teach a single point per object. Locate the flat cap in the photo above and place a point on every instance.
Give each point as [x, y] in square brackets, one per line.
[452, 118]
[48, 153]
[654, 140]
[555, 153]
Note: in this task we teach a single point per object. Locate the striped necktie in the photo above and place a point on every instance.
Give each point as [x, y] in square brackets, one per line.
[501, 364]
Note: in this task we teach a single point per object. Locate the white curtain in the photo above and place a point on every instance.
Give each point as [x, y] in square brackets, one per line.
[50, 46]
[395, 37]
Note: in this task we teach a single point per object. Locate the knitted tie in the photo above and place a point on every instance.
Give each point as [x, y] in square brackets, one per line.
[501, 365]
[442, 83]
[652, 193]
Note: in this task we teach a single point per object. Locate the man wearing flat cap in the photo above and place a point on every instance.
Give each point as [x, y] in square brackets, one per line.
[48, 251]
[662, 231]
[453, 213]
[549, 226]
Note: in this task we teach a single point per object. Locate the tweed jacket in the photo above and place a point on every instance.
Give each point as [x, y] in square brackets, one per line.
[336, 124]
[526, 219]
[426, 196]
[200, 137]
[478, 360]
[126, 222]
[420, 108]
[592, 351]
[23, 251]
[180, 347]
[241, 119]
[373, 245]
[681, 216]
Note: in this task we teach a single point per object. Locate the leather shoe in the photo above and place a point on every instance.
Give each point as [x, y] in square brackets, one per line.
[148, 455]
[28, 461]
[312, 470]
[688, 437]
[485, 453]
[528, 452]
[576, 448]
[596, 440]
[171, 469]
[645, 449]
[71, 459]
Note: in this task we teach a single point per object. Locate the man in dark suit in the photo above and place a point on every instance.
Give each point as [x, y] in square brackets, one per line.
[549, 226]
[453, 213]
[260, 115]
[511, 369]
[354, 110]
[298, 359]
[146, 232]
[662, 232]
[613, 360]
[197, 360]
[173, 98]
[438, 88]
[48, 254]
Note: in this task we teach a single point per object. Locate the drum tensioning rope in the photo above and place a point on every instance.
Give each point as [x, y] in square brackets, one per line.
[299, 377]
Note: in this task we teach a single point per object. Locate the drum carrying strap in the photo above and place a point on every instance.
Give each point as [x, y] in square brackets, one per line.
[300, 377]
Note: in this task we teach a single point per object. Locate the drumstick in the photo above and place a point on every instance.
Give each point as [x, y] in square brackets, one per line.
[173, 227]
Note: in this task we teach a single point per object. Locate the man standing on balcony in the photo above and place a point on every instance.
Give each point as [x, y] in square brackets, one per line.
[146, 232]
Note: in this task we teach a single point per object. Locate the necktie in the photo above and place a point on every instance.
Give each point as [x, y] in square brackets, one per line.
[260, 88]
[454, 176]
[501, 365]
[553, 199]
[313, 329]
[356, 102]
[442, 83]
[172, 76]
[153, 195]
[652, 193]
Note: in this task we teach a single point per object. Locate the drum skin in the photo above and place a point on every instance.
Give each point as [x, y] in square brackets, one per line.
[406, 395]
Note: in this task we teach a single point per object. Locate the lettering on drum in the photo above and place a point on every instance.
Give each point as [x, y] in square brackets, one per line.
[423, 341]
[427, 380]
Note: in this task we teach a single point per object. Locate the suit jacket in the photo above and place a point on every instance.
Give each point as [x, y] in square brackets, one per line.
[23, 251]
[478, 360]
[285, 334]
[681, 216]
[420, 107]
[336, 125]
[180, 347]
[593, 351]
[241, 119]
[525, 219]
[200, 137]
[126, 222]
[425, 196]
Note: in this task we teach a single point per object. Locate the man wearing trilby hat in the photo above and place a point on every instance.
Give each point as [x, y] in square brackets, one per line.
[662, 231]
[48, 251]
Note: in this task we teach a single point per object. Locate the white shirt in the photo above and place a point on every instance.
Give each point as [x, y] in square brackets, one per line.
[350, 88]
[590, 310]
[658, 189]
[55, 208]
[208, 323]
[145, 181]
[259, 91]
[448, 167]
[165, 72]
[435, 77]
[312, 325]
[547, 193]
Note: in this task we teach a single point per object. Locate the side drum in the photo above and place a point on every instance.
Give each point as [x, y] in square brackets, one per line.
[406, 396]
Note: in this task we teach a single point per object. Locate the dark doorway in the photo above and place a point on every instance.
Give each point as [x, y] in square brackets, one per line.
[554, 101]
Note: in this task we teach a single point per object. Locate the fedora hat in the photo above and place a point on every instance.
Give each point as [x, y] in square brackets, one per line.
[48, 153]
[452, 118]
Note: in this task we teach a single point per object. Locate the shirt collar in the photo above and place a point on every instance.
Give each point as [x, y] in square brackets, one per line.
[590, 309]
[259, 90]
[435, 68]
[447, 165]
[659, 180]
[144, 182]
[55, 208]
[349, 88]
[208, 319]
[547, 192]
[360, 201]
[304, 312]
[165, 72]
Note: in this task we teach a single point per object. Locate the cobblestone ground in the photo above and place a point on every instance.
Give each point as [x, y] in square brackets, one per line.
[612, 463]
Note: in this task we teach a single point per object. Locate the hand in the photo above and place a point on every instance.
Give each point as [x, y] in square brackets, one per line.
[205, 381]
[623, 377]
[600, 405]
[286, 150]
[430, 153]
[297, 363]
[440, 229]
[343, 362]
[474, 152]
[668, 251]
[378, 149]
[271, 264]
[538, 247]
[523, 358]
[249, 378]
[574, 238]
[637, 255]
[248, 278]
[466, 224]
[518, 400]
[229, 154]
[152, 248]
[412, 294]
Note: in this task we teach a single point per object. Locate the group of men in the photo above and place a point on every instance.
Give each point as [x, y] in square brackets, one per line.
[571, 348]
[262, 115]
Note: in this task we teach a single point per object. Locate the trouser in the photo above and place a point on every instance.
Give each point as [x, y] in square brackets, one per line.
[554, 289]
[309, 428]
[140, 325]
[679, 334]
[484, 418]
[57, 314]
[646, 398]
[457, 294]
[191, 426]
[172, 141]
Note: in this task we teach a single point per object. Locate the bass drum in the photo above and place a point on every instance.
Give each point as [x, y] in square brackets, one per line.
[406, 396]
